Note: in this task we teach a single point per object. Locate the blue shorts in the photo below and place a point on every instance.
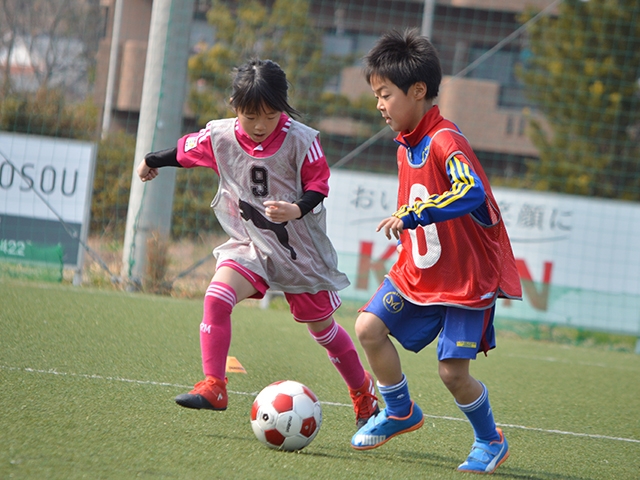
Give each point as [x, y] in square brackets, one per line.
[463, 333]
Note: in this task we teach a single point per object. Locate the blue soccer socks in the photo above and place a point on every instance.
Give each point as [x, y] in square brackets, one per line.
[488, 452]
[481, 417]
[396, 398]
[382, 428]
[485, 457]
[490, 449]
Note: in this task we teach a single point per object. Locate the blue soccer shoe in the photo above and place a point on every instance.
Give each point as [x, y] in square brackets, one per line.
[485, 457]
[381, 428]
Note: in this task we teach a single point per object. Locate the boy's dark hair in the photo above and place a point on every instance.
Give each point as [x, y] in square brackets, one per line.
[405, 59]
[259, 84]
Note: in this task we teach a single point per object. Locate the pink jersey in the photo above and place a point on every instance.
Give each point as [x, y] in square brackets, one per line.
[194, 150]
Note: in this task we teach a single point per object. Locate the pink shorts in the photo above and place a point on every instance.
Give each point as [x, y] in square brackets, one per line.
[313, 307]
[305, 307]
[256, 280]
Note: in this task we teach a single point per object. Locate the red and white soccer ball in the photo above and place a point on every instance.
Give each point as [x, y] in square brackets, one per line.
[286, 415]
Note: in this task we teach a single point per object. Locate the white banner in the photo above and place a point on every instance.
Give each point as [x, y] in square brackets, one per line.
[58, 169]
[578, 258]
[41, 179]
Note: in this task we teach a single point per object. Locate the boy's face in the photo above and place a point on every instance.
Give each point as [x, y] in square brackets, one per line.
[259, 125]
[401, 111]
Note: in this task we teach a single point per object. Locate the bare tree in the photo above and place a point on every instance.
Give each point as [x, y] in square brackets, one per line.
[48, 44]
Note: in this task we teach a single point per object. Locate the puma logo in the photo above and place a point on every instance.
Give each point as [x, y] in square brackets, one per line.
[249, 213]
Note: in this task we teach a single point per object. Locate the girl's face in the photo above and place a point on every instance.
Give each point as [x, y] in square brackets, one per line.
[401, 111]
[259, 125]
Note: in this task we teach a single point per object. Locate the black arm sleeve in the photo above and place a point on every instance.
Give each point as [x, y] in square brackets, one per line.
[309, 201]
[163, 158]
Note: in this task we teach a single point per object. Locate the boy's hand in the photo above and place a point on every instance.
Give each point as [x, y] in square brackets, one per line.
[145, 172]
[279, 212]
[391, 225]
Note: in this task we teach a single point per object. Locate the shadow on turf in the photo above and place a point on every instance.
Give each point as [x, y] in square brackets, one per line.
[417, 458]
[448, 464]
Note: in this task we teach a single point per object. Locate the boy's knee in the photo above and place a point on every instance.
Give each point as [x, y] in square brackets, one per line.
[370, 329]
[449, 378]
[454, 374]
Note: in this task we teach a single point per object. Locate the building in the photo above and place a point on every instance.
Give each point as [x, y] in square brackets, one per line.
[486, 102]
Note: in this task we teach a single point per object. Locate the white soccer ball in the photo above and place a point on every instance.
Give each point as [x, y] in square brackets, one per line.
[286, 415]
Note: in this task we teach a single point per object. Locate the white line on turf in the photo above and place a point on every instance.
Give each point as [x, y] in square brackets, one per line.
[438, 417]
[632, 368]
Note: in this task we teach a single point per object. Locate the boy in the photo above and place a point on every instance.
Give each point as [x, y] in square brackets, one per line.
[454, 257]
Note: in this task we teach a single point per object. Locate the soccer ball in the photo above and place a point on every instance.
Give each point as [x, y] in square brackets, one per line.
[286, 415]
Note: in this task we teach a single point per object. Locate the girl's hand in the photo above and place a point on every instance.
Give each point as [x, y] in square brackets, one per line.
[279, 212]
[391, 225]
[145, 172]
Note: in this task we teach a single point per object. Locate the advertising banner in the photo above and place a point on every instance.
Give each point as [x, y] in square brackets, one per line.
[45, 194]
[578, 258]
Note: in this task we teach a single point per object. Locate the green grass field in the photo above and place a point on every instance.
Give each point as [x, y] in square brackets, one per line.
[88, 378]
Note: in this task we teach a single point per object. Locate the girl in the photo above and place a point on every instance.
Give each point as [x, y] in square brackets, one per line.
[273, 179]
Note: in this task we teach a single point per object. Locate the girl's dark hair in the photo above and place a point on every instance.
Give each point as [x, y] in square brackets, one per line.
[405, 59]
[260, 84]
